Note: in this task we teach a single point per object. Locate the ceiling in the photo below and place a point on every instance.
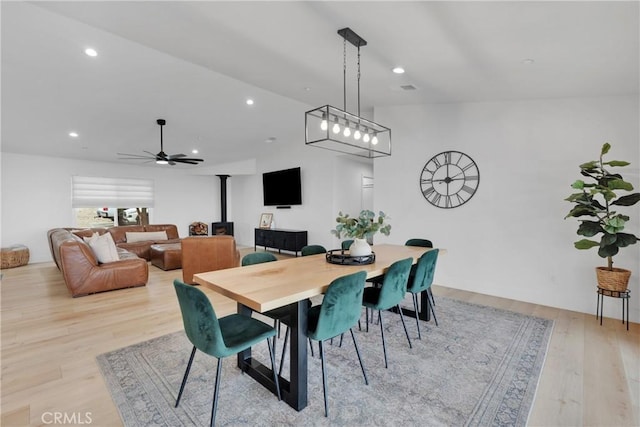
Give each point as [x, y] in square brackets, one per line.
[195, 64]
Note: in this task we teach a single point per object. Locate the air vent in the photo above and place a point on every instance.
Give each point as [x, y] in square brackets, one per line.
[408, 87]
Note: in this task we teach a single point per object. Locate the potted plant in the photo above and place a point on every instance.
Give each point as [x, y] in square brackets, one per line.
[597, 200]
[361, 228]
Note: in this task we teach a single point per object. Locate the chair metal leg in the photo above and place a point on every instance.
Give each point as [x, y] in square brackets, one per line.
[404, 326]
[342, 336]
[384, 346]
[355, 344]
[366, 315]
[272, 355]
[311, 347]
[415, 307]
[186, 374]
[214, 406]
[324, 379]
[430, 295]
[284, 349]
[433, 313]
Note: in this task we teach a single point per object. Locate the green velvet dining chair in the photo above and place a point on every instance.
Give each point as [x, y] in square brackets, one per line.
[388, 295]
[339, 312]
[219, 338]
[257, 258]
[424, 243]
[277, 314]
[421, 281]
[313, 250]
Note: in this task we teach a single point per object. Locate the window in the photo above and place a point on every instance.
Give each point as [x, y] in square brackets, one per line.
[110, 195]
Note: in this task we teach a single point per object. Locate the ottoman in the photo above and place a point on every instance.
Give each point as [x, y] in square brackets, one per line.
[166, 256]
[14, 256]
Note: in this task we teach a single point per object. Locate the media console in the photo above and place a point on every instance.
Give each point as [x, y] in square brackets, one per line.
[288, 240]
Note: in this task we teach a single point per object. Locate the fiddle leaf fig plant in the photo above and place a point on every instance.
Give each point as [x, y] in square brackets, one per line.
[597, 199]
[365, 225]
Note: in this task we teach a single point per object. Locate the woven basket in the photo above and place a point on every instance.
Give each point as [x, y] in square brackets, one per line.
[616, 280]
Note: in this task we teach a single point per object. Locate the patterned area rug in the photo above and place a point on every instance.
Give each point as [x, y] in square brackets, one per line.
[480, 367]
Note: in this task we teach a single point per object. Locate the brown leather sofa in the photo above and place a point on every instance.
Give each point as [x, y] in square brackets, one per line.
[82, 273]
[142, 249]
[207, 253]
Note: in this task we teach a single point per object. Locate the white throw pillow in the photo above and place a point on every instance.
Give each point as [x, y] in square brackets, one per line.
[103, 247]
[146, 236]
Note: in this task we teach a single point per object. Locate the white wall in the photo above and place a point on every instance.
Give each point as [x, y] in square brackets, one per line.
[510, 239]
[330, 183]
[36, 196]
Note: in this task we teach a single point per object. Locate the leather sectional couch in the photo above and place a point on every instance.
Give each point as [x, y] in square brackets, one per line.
[82, 272]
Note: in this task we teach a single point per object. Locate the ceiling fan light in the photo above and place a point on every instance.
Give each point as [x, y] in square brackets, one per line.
[161, 162]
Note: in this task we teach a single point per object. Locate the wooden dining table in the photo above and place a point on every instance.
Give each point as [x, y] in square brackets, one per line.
[291, 282]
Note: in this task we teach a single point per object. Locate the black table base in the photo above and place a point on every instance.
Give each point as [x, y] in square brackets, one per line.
[294, 391]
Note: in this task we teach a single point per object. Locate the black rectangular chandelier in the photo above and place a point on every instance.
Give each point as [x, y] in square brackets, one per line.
[338, 130]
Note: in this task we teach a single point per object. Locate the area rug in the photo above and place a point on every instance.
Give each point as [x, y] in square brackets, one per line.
[479, 367]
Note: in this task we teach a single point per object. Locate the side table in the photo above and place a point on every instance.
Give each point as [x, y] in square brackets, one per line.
[624, 295]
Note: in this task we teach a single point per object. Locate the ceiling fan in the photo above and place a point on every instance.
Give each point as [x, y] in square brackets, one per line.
[161, 158]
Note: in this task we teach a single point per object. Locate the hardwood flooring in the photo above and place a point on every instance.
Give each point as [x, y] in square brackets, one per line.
[49, 343]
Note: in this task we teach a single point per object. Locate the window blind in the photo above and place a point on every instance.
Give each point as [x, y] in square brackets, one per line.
[91, 192]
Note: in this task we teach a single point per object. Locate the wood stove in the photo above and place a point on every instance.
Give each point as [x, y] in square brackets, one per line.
[223, 227]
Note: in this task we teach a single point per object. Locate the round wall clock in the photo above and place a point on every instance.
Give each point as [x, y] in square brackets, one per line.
[449, 179]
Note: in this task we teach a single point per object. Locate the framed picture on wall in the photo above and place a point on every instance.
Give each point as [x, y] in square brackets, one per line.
[265, 220]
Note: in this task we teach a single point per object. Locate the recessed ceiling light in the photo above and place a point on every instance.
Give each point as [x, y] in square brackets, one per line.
[249, 101]
[194, 151]
[91, 52]
[398, 70]
[73, 134]
[270, 140]
[528, 61]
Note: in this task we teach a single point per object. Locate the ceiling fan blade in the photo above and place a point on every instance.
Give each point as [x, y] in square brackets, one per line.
[133, 156]
[161, 157]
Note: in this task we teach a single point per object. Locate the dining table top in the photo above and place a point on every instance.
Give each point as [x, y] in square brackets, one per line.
[270, 285]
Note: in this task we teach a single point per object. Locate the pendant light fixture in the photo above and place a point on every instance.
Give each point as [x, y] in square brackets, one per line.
[338, 130]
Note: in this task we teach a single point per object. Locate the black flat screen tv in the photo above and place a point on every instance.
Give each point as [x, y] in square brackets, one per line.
[282, 188]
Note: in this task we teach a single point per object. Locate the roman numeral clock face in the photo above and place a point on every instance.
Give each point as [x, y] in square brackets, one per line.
[449, 179]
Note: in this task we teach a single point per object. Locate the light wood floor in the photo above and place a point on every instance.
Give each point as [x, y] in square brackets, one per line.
[50, 341]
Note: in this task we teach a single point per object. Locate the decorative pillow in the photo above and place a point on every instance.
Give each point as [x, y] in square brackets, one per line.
[146, 236]
[103, 247]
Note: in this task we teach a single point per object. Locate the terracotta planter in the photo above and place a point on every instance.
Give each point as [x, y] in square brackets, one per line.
[613, 280]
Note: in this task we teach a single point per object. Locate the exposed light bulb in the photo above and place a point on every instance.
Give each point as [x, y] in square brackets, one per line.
[323, 124]
[336, 128]
[347, 129]
[374, 140]
[366, 137]
[357, 135]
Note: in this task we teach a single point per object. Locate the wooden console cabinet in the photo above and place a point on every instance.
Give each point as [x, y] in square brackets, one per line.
[288, 240]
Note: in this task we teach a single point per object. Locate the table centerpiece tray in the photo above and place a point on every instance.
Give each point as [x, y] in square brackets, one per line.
[342, 257]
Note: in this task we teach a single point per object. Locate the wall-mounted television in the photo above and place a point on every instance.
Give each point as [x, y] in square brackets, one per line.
[282, 188]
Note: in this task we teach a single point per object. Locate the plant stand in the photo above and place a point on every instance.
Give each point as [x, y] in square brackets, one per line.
[624, 295]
